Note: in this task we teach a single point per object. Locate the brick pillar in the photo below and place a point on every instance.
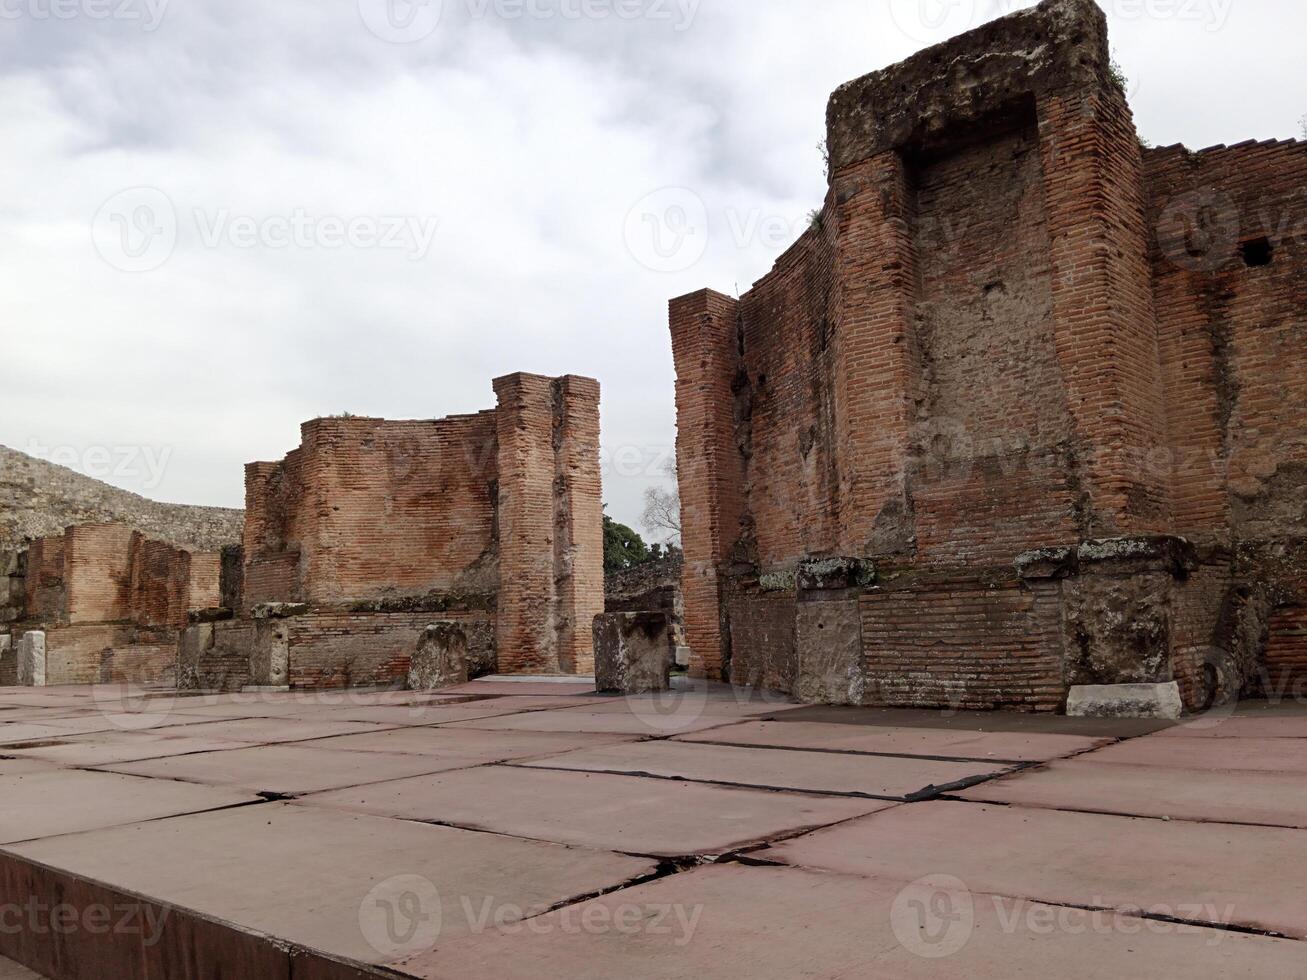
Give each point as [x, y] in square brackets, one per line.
[550, 523]
[98, 561]
[705, 348]
[873, 364]
[579, 519]
[258, 519]
[1105, 327]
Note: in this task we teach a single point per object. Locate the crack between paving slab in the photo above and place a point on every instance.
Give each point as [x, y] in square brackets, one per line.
[917, 796]
[874, 755]
[1206, 821]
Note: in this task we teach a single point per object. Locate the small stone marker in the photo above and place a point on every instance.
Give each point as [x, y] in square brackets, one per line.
[1161, 701]
[31, 659]
[441, 658]
[633, 652]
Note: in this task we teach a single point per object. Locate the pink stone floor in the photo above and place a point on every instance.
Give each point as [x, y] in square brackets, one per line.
[535, 830]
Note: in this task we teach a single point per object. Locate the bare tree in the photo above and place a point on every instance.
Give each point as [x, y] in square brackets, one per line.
[662, 509]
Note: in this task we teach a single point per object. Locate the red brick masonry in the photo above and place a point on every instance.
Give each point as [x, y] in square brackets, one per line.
[1026, 408]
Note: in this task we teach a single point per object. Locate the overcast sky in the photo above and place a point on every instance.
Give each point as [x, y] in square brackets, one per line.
[224, 217]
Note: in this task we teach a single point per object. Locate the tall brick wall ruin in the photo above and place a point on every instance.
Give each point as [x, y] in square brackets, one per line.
[373, 529]
[1024, 409]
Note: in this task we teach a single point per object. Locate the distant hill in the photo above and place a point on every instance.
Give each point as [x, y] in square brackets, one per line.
[38, 498]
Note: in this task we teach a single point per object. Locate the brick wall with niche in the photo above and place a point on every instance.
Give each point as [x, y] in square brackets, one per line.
[1019, 375]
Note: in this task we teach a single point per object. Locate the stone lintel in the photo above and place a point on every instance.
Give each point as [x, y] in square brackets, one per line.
[1112, 556]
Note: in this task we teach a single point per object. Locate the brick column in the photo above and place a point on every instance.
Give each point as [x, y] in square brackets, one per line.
[525, 425]
[873, 365]
[579, 518]
[1105, 328]
[705, 348]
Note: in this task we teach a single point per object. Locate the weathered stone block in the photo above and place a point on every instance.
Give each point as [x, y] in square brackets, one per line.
[279, 610]
[8, 664]
[441, 659]
[270, 656]
[1126, 701]
[834, 574]
[633, 652]
[829, 639]
[31, 659]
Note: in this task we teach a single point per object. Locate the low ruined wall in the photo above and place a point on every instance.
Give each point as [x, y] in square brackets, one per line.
[110, 654]
[326, 648]
[348, 649]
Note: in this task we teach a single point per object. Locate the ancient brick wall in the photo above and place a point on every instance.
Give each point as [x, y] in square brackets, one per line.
[1012, 337]
[381, 527]
[44, 583]
[369, 509]
[964, 643]
[110, 654]
[98, 560]
[343, 649]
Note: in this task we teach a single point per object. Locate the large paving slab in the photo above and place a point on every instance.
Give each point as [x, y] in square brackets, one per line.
[289, 769]
[1271, 726]
[620, 813]
[978, 721]
[520, 687]
[927, 742]
[326, 879]
[1234, 754]
[1271, 799]
[47, 728]
[683, 704]
[66, 801]
[738, 923]
[468, 743]
[265, 731]
[110, 747]
[581, 720]
[817, 772]
[1212, 873]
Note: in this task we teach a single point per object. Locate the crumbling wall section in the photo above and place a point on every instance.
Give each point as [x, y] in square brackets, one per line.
[1011, 333]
